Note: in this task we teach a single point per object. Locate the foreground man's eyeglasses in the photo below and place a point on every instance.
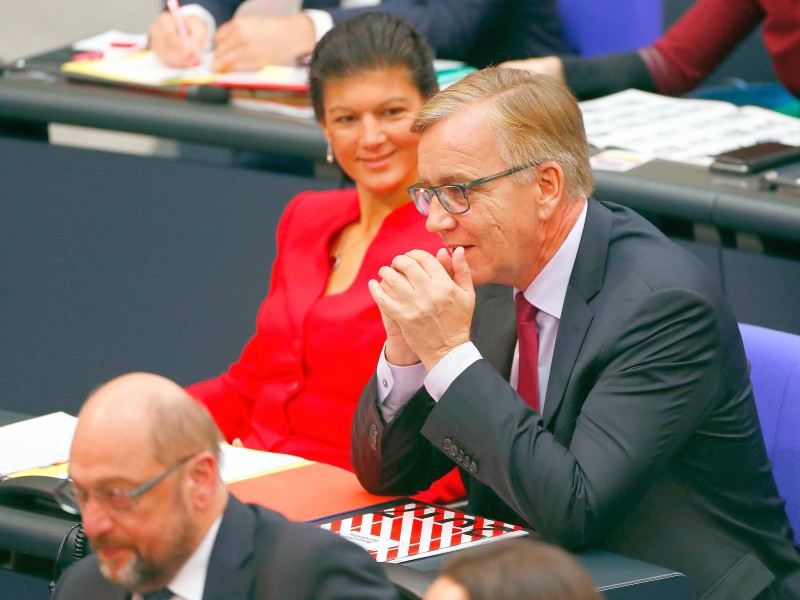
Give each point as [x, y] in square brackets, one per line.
[70, 498]
[453, 196]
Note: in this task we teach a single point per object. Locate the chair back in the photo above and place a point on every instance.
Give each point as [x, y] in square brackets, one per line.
[602, 26]
[775, 374]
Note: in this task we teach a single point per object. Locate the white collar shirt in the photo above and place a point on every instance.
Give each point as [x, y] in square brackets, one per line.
[547, 293]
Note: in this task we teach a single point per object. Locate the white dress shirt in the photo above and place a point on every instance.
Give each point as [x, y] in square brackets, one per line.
[396, 385]
[190, 581]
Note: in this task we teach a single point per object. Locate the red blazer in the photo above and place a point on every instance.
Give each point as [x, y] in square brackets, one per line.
[296, 385]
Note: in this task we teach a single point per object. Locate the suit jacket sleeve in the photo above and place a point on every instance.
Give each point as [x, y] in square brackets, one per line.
[694, 46]
[677, 62]
[573, 484]
[395, 458]
[648, 395]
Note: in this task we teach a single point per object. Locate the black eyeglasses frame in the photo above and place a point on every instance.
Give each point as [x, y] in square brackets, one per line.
[431, 191]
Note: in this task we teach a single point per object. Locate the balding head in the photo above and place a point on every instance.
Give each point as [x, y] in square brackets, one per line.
[152, 414]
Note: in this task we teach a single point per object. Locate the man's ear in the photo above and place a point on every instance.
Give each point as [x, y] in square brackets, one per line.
[202, 479]
[550, 180]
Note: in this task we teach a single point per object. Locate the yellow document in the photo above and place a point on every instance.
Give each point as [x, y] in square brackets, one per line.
[144, 68]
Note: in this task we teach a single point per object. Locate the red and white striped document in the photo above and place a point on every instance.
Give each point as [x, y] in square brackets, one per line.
[416, 529]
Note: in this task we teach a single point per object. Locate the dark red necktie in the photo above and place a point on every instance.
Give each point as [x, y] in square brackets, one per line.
[528, 384]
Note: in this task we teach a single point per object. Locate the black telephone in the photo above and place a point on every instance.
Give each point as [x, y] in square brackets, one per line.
[32, 523]
[32, 493]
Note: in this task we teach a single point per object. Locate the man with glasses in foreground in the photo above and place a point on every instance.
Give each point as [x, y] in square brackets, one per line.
[144, 468]
[594, 385]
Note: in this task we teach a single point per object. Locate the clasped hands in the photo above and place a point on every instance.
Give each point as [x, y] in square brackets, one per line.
[426, 303]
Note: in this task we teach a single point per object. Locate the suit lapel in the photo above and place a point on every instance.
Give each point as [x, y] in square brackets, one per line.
[308, 246]
[228, 576]
[495, 332]
[576, 316]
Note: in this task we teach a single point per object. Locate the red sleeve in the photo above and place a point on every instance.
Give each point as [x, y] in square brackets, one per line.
[693, 47]
[230, 397]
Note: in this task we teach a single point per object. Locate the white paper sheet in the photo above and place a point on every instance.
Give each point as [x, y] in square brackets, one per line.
[37, 442]
[242, 463]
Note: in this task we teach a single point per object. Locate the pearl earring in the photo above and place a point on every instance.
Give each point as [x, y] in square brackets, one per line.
[329, 154]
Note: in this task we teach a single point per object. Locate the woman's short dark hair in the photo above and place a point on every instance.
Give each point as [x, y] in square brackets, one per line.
[369, 42]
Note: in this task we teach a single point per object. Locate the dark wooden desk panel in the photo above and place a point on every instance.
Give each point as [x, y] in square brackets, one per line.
[114, 263]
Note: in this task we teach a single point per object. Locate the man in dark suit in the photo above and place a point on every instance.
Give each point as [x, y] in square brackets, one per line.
[144, 469]
[624, 418]
[479, 32]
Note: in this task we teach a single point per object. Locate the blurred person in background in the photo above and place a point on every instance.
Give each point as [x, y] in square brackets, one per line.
[249, 35]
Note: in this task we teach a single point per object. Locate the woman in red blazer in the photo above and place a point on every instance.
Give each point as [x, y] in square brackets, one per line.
[319, 333]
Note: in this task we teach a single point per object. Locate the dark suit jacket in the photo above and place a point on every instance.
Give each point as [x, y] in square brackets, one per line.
[480, 32]
[258, 554]
[649, 444]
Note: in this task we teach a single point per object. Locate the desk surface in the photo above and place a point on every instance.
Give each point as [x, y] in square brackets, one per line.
[313, 491]
[659, 187]
[334, 491]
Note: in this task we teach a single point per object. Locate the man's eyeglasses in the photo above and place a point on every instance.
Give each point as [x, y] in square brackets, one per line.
[453, 196]
[71, 499]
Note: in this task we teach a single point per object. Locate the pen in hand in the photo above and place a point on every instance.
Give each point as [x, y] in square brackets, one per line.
[175, 12]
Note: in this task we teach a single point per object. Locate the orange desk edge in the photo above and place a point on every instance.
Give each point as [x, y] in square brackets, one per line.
[308, 492]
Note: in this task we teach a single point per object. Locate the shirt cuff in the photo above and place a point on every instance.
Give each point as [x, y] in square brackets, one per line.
[195, 10]
[323, 21]
[451, 366]
[396, 385]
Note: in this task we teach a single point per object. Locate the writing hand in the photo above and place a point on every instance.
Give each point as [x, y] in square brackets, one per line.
[431, 300]
[249, 43]
[170, 47]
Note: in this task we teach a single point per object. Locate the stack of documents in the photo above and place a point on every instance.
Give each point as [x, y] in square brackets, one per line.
[39, 442]
[40, 446]
[122, 58]
[144, 68]
[681, 129]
